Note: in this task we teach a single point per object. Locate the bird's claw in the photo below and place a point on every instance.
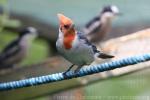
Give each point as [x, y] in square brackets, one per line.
[64, 74]
[76, 71]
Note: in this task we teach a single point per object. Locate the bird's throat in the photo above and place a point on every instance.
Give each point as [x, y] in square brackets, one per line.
[68, 40]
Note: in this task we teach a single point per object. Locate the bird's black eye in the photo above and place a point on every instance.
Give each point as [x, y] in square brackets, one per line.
[66, 26]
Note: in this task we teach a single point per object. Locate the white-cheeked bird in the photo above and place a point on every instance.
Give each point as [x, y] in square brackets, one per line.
[100, 25]
[18, 49]
[74, 46]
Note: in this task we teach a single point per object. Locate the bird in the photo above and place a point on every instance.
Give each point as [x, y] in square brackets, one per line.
[99, 26]
[74, 46]
[15, 52]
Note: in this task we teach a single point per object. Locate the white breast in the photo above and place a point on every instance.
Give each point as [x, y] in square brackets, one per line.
[79, 54]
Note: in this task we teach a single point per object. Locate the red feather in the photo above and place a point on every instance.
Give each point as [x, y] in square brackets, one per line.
[68, 39]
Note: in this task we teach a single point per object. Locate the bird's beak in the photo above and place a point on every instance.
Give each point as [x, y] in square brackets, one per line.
[63, 20]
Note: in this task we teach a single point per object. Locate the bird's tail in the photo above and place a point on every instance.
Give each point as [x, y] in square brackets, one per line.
[104, 56]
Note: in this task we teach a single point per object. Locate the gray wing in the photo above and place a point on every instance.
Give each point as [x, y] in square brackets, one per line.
[82, 36]
[91, 25]
[100, 54]
[9, 51]
[10, 46]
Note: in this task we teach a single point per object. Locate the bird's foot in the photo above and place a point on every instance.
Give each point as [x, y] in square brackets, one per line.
[76, 71]
[64, 74]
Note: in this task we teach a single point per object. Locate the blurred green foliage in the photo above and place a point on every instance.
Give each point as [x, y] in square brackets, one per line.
[130, 87]
[38, 51]
[2, 2]
[4, 17]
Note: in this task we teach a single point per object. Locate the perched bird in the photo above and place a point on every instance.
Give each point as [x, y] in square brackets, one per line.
[17, 50]
[100, 25]
[74, 46]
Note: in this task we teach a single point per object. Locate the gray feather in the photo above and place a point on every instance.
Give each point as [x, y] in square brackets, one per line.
[105, 56]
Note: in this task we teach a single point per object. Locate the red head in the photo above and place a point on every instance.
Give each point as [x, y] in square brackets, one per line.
[67, 28]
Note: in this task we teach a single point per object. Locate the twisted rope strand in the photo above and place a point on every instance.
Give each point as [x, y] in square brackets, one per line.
[83, 72]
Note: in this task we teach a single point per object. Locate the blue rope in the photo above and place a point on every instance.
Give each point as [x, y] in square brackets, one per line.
[83, 72]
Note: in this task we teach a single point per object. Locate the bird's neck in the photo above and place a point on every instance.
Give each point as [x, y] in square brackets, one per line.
[68, 39]
[26, 42]
[105, 19]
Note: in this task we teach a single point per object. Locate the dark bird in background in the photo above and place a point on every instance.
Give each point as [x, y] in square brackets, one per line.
[99, 26]
[18, 49]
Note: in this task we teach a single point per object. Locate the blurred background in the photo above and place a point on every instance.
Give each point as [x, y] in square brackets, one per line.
[43, 58]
